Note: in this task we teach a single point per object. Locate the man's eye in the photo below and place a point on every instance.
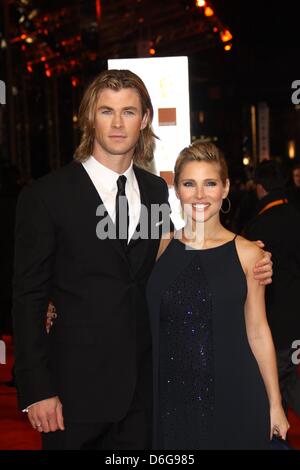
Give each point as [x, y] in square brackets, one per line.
[105, 111]
[128, 112]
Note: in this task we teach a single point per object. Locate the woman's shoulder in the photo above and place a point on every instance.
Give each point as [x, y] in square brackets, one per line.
[164, 243]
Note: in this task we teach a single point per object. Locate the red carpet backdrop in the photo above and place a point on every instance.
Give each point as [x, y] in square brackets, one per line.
[16, 432]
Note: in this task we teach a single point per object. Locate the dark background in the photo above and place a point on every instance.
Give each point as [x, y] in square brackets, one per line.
[37, 131]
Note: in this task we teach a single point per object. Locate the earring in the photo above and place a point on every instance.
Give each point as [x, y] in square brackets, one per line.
[229, 206]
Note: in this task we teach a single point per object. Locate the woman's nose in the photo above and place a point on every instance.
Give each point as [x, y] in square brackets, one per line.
[199, 191]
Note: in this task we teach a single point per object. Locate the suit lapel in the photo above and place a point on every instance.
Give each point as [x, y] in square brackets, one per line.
[93, 199]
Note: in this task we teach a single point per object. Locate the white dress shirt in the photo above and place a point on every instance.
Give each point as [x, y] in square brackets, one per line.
[105, 182]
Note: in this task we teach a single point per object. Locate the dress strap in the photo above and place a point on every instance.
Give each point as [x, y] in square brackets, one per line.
[235, 237]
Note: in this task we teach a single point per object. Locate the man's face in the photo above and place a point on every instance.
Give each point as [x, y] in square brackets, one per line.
[118, 122]
[296, 177]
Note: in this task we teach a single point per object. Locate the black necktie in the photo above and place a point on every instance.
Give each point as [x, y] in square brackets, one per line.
[122, 211]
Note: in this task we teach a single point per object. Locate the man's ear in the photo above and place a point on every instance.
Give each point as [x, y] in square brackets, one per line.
[145, 120]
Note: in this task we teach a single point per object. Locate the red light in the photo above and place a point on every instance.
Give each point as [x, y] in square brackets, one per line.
[75, 82]
[227, 47]
[225, 35]
[23, 36]
[152, 51]
[98, 9]
[48, 73]
[43, 58]
[209, 11]
[29, 68]
[23, 47]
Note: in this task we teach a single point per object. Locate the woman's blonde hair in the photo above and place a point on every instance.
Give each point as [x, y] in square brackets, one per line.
[115, 80]
[201, 152]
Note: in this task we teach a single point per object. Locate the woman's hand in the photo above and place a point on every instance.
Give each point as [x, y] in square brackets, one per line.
[279, 423]
[51, 315]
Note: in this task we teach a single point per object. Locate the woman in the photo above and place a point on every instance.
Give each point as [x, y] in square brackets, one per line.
[215, 378]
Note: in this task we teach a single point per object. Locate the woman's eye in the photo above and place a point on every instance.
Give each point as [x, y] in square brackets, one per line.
[187, 184]
[211, 183]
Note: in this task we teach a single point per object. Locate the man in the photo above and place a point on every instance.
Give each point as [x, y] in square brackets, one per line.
[294, 192]
[89, 381]
[278, 225]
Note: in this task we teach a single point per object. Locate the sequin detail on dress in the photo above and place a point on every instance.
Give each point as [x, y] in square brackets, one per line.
[186, 359]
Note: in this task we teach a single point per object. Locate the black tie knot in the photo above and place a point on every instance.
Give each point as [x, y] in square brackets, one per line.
[121, 182]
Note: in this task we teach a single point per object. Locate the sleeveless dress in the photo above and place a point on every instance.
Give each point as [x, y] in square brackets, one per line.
[208, 391]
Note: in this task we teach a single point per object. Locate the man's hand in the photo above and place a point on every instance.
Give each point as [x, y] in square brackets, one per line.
[46, 415]
[50, 316]
[263, 271]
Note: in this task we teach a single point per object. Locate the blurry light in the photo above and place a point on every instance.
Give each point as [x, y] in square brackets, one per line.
[246, 161]
[75, 82]
[32, 14]
[151, 51]
[216, 29]
[201, 117]
[22, 19]
[46, 66]
[29, 40]
[75, 118]
[227, 47]
[200, 3]
[209, 11]
[3, 44]
[23, 48]
[98, 9]
[23, 36]
[291, 149]
[29, 68]
[43, 58]
[225, 35]
[48, 73]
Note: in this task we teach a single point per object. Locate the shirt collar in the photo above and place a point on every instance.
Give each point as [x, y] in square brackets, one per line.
[108, 178]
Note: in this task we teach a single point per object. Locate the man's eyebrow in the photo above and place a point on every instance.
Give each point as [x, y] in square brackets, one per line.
[134, 108]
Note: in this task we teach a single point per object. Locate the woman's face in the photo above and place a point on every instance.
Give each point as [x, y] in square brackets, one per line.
[201, 190]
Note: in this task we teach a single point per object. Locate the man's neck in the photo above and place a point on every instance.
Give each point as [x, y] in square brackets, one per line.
[117, 163]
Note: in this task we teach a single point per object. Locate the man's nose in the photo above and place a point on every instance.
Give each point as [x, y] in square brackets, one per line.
[117, 120]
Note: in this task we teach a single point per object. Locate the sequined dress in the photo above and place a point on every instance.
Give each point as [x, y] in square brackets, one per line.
[208, 391]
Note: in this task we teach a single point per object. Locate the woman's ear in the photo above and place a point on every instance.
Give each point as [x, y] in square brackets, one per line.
[226, 188]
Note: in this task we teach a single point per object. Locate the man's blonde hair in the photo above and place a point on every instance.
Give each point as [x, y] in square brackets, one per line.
[115, 80]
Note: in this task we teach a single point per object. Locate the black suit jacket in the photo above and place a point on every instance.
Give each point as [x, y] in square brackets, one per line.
[100, 342]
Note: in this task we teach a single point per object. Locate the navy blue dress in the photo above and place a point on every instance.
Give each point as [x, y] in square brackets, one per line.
[208, 391]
